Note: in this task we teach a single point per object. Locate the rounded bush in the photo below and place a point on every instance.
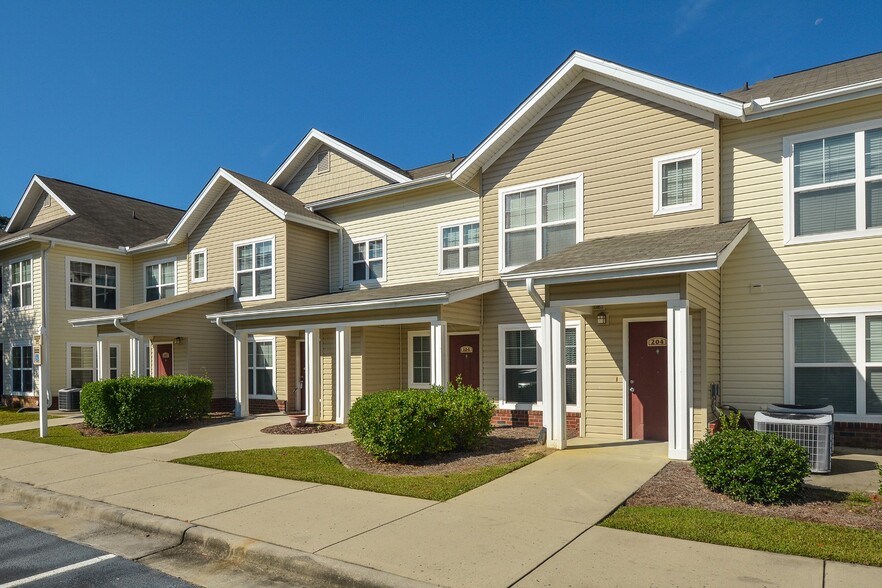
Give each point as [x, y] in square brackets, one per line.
[398, 425]
[133, 404]
[752, 467]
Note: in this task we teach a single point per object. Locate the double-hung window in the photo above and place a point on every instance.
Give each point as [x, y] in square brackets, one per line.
[261, 367]
[460, 247]
[255, 272]
[676, 182]
[80, 364]
[199, 265]
[420, 351]
[368, 259]
[113, 363]
[21, 284]
[159, 280]
[91, 285]
[519, 366]
[837, 360]
[833, 182]
[539, 219]
[22, 369]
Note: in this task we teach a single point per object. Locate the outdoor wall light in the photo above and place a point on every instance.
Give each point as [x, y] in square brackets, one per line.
[601, 318]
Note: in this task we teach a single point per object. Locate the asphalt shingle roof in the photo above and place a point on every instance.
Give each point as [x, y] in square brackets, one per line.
[278, 197]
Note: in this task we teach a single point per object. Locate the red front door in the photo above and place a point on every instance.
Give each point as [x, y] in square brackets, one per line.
[464, 361]
[164, 359]
[648, 379]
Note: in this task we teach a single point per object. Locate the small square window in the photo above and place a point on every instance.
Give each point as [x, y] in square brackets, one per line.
[676, 182]
[198, 265]
[368, 260]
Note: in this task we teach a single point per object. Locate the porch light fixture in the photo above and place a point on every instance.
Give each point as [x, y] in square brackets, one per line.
[601, 318]
[178, 340]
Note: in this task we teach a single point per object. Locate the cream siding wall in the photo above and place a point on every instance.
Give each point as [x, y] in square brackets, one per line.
[411, 225]
[19, 325]
[308, 261]
[328, 353]
[141, 260]
[465, 314]
[383, 357]
[703, 292]
[344, 177]
[44, 213]
[356, 373]
[831, 274]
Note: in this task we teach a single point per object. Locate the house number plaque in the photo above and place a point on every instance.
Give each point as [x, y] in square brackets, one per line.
[657, 342]
[466, 349]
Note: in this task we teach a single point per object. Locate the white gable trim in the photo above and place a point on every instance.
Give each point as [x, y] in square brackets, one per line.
[577, 67]
[310, 143]
[29, 200]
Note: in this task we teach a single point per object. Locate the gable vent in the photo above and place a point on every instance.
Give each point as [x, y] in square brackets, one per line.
[324, 162]
[47, 201]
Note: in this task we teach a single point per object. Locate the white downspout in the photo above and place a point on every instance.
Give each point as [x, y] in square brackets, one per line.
[220, 323]
[534, 294]
[45, 391]
[118, 324]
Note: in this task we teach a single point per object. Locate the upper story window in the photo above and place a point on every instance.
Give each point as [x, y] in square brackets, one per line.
[198, 265]
[21, 284]
[91, 284]
[539, 219]
[255, 271]
[159, 280]
[676, 182]
[833, 183]
[460, 248]
[369, 259]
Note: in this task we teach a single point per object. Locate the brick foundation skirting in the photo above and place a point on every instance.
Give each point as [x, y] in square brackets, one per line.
[866, 435]
[529, 418]
[26, 402]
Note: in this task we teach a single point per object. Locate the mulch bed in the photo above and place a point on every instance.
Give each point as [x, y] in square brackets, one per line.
[504, 445]
[678, 485]
[213, 418]
[308, 428]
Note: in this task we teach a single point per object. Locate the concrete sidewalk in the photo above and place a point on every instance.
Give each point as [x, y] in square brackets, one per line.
[534, 526]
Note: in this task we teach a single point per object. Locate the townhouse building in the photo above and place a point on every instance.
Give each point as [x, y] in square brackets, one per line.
[618, 249]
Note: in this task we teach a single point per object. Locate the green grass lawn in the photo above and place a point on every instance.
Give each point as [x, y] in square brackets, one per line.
[11, 416]
[778, 535]
[315, 465]
[69, 437]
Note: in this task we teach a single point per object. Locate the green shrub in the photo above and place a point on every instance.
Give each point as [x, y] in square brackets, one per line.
[134, 404]
[752, 467]
[403, 424]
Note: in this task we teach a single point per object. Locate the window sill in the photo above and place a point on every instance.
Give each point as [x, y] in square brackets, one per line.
[199, 281]
[839, 236]
[467, 270]
[676, 209]
[264, 297]
[261, 396]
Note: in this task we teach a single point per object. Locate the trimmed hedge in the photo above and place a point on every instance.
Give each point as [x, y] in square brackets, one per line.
[135, 404]
[752, 467]
[398, 425]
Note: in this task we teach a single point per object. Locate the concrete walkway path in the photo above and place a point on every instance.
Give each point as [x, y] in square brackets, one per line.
[63, 418]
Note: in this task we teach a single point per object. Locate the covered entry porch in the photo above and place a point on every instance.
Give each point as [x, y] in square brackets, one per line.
[651, 348]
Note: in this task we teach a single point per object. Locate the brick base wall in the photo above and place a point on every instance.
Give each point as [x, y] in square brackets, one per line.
[255, 406]
[26, 402]
[222, 405]
[529, 418]
[867, 435]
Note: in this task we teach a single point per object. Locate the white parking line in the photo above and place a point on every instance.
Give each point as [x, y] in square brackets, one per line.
[57, 571]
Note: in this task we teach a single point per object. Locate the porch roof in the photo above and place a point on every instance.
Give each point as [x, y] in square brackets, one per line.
[638, 254]
[405, 295]
[155, 308]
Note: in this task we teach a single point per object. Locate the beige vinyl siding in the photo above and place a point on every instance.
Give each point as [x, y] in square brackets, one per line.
[344, 177]
[703, 293]
[328, 353]
[466, 313]
[612, 138]
[411, 225]
[308, 267]
[139, 276]
[21, 324]
[383, 357]
[236, 217]
[45, 210]
[293, 379]
[281, 361]
[356, 372]
[826, 275]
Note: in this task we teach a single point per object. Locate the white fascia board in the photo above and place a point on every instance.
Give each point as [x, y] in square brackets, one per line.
[379, 192]
[592, 66]
[26, 203]
[704, 260]
[94, 321]
[16, 241]
[175, 233]
[308, 143]
[478, 290]
[153, 312]
[148, 247]
[114, 250]
[254, 195]
[312, 222]
[728, 249]
[400, 302]
[756, 110]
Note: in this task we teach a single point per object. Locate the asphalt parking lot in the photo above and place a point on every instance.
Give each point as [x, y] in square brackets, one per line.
[34, 558]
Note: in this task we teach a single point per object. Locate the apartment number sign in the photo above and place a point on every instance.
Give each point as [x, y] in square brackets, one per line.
[466, 349]
[657, 342]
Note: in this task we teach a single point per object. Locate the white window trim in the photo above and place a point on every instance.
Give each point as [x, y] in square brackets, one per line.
[90, 345]
[9, 265]
[110, 367]
[13, 392]
[441, 248]
[538, 185]
[859, 314]
[94, 262]
[236, 245]
[366, 240]
[252, 370]
[159, 262]
[410, 338]
[657, 162]
[861, 230]
[204, 252]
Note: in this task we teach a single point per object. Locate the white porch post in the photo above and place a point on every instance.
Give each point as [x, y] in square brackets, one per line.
[137, 361]
[313, 374]
[554, 403]
[679, 380]
[343, 373]
[102, 363]
[240, 373]
[438, 338]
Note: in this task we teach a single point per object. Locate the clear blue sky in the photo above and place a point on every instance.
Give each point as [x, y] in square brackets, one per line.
[149, 98]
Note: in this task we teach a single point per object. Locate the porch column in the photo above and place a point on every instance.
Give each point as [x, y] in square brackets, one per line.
[137, 361]
[240, 373]
[679, 380]
[343, 384]
[102, 363]
[553, 369]
[313, 374]
[438, 339]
